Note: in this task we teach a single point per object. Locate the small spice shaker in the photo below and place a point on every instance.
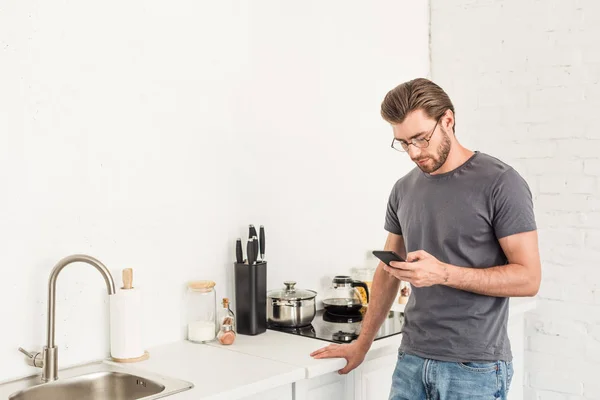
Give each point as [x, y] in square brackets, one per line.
[404, 292]
[226, 333]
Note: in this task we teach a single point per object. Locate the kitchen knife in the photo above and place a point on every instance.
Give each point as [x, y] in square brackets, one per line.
[252, 234]
[256, 248]
[250, 251]
[239, 255]
[262, 243]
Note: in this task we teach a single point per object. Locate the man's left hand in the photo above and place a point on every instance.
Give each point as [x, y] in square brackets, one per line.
[421, 269]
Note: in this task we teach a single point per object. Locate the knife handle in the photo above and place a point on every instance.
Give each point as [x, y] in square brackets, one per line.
[256, 247]
[239, 255]
[250, 251]
[262, 243]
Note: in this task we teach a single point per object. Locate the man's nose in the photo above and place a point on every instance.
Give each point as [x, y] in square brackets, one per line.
[414, 152]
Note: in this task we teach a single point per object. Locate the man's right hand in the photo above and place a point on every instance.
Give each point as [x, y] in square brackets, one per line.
[354, 353]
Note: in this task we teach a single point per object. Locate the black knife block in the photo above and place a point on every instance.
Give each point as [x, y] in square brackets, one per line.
[251, 298]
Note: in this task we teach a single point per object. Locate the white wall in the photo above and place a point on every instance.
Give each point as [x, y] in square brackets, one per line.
[524, 77]
[135, 132]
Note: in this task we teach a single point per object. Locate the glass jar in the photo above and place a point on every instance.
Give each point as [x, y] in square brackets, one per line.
[226, 316]
[226, 320]
[201, 311]
[366, 275]
[226, 335]
[404, 292]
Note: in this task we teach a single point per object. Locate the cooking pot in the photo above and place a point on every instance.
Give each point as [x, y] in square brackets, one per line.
[291, 307]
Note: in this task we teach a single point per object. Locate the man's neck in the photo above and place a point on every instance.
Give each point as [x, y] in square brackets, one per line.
[458, 156]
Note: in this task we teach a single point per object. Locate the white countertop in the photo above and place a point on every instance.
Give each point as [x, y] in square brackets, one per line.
[217, 374]
[295, 350]
[253, 364]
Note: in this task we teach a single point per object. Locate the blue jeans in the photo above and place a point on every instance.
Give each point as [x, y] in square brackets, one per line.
[417, 378]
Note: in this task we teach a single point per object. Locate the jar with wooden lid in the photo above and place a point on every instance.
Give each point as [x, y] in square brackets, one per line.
[201, 305]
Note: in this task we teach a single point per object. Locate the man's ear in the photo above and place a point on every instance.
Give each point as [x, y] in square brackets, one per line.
[448, 120]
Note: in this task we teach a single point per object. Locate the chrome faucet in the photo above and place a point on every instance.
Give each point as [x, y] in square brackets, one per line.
[48, 360]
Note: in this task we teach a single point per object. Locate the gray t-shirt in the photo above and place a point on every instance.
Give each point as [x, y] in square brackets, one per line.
[458, 217]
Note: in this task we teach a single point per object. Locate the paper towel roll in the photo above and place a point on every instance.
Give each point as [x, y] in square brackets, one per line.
[126, 324]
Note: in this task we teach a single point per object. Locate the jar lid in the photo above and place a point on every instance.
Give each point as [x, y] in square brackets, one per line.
[291, 293]
[201, 285]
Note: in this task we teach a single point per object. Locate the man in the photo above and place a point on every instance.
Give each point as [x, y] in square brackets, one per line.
[464, 222]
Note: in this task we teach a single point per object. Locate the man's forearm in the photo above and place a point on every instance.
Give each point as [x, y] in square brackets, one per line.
[385, 288]
[510, 280]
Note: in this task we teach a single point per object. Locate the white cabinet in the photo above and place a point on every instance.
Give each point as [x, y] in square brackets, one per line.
[332, 386]
[373, 379]
[279, 393]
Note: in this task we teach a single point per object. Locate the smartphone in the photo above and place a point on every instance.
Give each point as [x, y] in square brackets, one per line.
[387, 256]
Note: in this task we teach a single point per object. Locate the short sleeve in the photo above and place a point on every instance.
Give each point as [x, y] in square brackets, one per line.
[392, 224]
[512, 205]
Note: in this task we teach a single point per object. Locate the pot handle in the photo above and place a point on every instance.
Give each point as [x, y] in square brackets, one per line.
[362, 285]
[289, 286]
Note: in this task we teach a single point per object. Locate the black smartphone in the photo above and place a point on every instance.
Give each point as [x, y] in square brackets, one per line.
[387, 256]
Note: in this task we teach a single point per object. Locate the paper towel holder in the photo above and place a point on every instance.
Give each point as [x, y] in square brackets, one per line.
[143, 357]
[127, 276]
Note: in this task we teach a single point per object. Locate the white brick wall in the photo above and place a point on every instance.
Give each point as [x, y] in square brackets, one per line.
[524, 76]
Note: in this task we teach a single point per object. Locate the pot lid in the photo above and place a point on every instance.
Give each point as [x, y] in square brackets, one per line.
[291, 293]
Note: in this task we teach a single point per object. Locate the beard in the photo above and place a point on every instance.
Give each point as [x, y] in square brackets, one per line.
[436, 160]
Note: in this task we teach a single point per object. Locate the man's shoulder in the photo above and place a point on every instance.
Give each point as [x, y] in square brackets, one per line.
[494, 175]
[409, 179]
[490, 169]
[491, 164]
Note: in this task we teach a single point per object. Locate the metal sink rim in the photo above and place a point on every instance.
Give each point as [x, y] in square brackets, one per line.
[171, 385]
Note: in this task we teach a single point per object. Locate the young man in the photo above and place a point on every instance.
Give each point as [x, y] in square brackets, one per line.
[465, 224]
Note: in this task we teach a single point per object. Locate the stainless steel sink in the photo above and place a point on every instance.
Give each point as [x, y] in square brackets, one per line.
[97, 381]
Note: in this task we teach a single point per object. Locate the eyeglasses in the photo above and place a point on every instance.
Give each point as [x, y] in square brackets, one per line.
[421, 143]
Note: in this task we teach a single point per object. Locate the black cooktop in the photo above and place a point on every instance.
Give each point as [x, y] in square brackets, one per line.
[343, 329]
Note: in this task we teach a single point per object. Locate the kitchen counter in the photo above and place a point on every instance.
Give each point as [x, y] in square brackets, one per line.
[255, 364]
[295, 350]
[215, 373]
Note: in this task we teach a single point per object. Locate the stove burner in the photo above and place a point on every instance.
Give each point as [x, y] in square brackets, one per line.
[341, 329]
[344, 336]
[344, 319]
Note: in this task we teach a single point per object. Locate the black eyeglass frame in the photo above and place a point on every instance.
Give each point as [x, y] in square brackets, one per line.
[403, 143]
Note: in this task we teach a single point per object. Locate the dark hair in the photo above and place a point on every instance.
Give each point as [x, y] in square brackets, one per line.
[413, 95]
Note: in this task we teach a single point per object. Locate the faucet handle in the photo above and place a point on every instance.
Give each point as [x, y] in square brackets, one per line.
[28, 354]
[33, 359]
